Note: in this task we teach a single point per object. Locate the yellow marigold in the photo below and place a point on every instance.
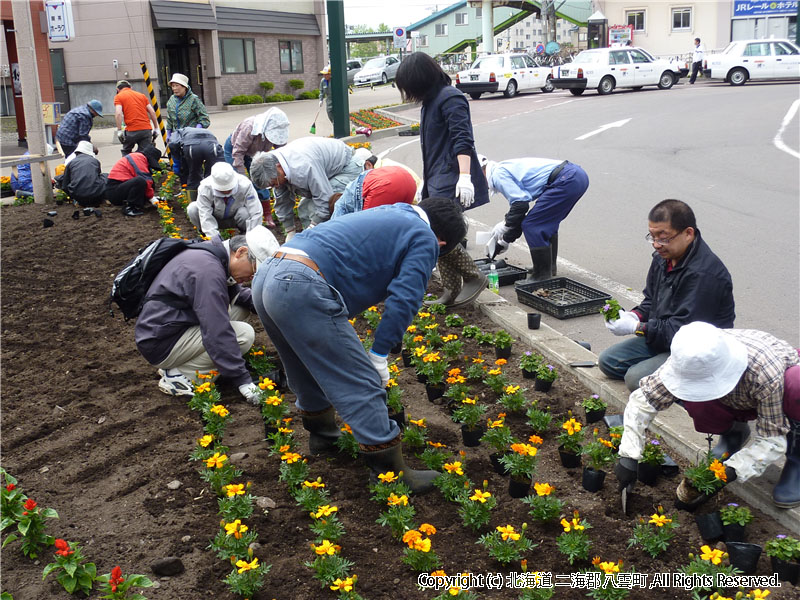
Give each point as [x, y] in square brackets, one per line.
[535, 439]
[494, 424]
[758, 594]
[352, 321]
[570, 525]
[256, 352]
[203, 388]
[524, 449]
[325, 548]
[284, 448]
[454, 372]
[715, 556]
[313, 484]
[437, 445]
[417, 422]
[202, 375]
[372, 309]
[205, 440]
[411, 328]
[220, 410]
[469, 400]
[477, 360]
[495, 371]
[423, 315]
[266, 384]
[427, 529]
[388, 477]
[345, 585]
[500, 362]
[411, 536]
[596, 560]
[217, 461]
[615, 436]
[659, 520]
[346, 428]
[273, 400]
[247, 566]
[236, 529]
[285, 430]
[234, 489]
[511, 389]
[454, 467]
[420, 351]
[324, 511]
[480, 496]
[438, 573]
[431, 357]
[543, 489]
[417, 339]
[432, 326]
[609, 567]
[508, 533]
[718, 469]
[572, 426]
[423, 545]
[290, 457]
[395, 500]
[450, 338]
[605, 443]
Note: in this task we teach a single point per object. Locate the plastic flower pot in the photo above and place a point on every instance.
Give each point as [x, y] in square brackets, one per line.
[744, 556]
[406, 356]
[734, 532]
[528, 374]
[710, 526]
[498, 467]
[542, 386]
[434, 391]
[648, 474]
[593, 416]
[570, 460]
[397, 348]
[519, 487]
[592, 480]
[399, 418]
[502, 352]
[786, 570]
[534, 320]
[472, 437]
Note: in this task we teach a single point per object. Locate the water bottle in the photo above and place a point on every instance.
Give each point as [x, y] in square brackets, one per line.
[494, 279]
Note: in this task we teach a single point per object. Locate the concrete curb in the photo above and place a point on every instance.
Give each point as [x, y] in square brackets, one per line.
[673, 424]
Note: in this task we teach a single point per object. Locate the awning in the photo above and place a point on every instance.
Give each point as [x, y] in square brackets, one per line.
[244, 20]
[171, 14]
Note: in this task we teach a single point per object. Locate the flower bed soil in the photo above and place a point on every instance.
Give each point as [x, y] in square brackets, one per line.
[87, 432]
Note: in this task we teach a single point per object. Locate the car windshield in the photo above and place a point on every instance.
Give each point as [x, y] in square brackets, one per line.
[489, 62]
[729, 47]
[587, 57]
[375, 63]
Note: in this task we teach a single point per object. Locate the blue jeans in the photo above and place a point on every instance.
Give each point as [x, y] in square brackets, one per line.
[630, 360]
[325, 363]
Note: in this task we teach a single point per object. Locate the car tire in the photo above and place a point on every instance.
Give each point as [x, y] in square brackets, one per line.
[737, 77]
[511, 89]
[548, 86]
[666, 81]
[384, 79]
[475, 95]
[576, 91]
[606, 85]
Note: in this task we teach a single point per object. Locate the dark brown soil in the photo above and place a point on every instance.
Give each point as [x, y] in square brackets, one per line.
[87, 432]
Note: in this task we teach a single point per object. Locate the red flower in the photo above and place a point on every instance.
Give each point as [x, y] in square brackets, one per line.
[116, 578]
[30, 504]
[11, 487]
[63, 548]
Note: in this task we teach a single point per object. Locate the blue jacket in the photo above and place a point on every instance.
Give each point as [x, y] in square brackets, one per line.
[385, 254]
[446, 132]
[75, 126]
[522, 179]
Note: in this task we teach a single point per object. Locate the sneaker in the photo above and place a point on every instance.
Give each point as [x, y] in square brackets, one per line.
[175, 384]
[132, 211]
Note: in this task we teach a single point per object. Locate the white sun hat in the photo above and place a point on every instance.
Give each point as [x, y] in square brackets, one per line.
[223, 177]
[705, 363]
[180, 79]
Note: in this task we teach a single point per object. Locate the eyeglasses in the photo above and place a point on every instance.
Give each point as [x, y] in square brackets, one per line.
[662, 242]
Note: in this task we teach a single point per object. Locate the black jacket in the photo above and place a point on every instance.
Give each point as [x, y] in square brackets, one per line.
[699, 288]
[446, 132]
[82, 178]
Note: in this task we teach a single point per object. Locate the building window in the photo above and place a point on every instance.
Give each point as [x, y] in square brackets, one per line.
[422, 41]
[238, 55]
[441, 29]
[527, 23]
[681, 19]
[478, 12]
[461, 19]
[291, 53]
[527, 36]
[635, 18]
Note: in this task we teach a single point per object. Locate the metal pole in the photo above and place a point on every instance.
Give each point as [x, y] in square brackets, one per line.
[154, 102]
[341, 105]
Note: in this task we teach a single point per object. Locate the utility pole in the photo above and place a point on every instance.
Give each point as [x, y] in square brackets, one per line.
[341, 106]
[549, 17]
[32, 99]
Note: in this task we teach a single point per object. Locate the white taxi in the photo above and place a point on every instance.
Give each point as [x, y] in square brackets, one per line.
[507, 73]
[605, 69]
[754, 59]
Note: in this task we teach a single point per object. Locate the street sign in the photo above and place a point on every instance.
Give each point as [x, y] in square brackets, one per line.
[60, 26]
[539, 49]
[399, 37]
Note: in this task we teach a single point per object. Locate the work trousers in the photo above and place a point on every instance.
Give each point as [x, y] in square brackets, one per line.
[129, 193]
[554, 205]
[196, 163]
[631, 360]
[142, 138]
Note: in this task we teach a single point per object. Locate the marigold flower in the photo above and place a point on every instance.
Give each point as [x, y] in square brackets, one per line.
[437, 445]
[480, 496]
[606, 443]
[352, 321]
[495, 424]
[247, 566]
[431, 357]
[417, 422]
[609, 567]
[758, 594]
[285, 430]
[469, 401]
[417, 339]
[372, 309]
[511, 389]
[217, 461]
[284, 448]
[273, 400]
[325, 548]
[718, 469]
[423, 545]
[391, 383]
[524, 449]
[454, 372]
[313, 484]
[543, 489]
[659, 520]
[266, 383]
[324, 511]
[508, 533]
[345, 586]
[572, 426]
[411, 328]
[477, 360]
[63, 548]
[220, 410]
[596, 560]
[395, 500]
[456, 379]
[205, 440]
[234, 489]
[236, 529]
[432, 326]
[714, 556]
[535, 439]
[411, 536]
[570, 525]
[500, 362]
[290, 457]
[427, 529]
[393, 368]
[420, 350]
[203, 387]
[347, 429]
[454, 467]
[495, 371]
[388, 477]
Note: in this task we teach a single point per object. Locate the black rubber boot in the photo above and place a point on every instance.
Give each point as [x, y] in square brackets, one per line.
[541, 256]
[554, 254]
[470, 290]
[380, 460]
[732, 440]
[787, 491]
[323, 431]
[446, 298]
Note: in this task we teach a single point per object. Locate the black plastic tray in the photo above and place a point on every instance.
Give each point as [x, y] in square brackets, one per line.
[506, 274]
[565, 298]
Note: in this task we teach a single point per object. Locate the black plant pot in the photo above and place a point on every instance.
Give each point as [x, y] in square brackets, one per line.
[406, 356]
[502, 352]
[710, 526]
[434, 391]
[472, 437]
[498, 467]
[593, 416]
[648, 474]
[694, 504]
[528, 374]
[518, 488]
[592, 480]
[734, 533]
[569, 459]
[422, 378]
[786, 570]
[397, 348]
[399, 418]
[542, 386]
[744, 556]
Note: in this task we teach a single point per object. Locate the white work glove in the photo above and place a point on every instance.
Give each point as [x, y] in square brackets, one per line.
[625, 325]
[121, 135]
[465, 191]
[501, 229]
[495, 246]
[754, 460]
[251, 393]
[381, 366]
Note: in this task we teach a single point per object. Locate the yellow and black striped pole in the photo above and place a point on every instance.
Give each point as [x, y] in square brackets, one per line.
[154, 102]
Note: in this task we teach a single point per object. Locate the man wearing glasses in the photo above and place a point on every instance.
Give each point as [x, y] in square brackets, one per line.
[686, 283]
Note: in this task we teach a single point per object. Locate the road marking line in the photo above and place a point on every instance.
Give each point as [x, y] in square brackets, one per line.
[601, 129]
[778, 139]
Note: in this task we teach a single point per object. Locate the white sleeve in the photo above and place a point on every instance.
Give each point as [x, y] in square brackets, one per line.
[638, 416]
[205, 210]
[753, 460]
[252, 202]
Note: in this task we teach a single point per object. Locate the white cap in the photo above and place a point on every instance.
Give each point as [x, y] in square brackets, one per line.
[85, 147]
[180, 79]
[705, 363]
[223, 177]
[261, 243]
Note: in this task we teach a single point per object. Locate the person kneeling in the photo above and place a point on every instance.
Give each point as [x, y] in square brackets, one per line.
[225, 199]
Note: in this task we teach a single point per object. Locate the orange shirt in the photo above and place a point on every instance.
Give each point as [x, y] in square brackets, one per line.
[134, 109]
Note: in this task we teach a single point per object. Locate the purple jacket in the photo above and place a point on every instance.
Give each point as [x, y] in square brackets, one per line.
[200, 280]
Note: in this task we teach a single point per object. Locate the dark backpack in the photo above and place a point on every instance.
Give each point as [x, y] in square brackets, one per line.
[130, 286]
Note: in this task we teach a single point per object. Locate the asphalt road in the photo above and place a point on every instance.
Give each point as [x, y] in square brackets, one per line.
[711, 145]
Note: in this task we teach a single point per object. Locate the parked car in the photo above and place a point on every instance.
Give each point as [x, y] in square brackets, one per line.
[754, 59]
[353, 66]
[609, 68]
[507, 73]
[377, 70]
